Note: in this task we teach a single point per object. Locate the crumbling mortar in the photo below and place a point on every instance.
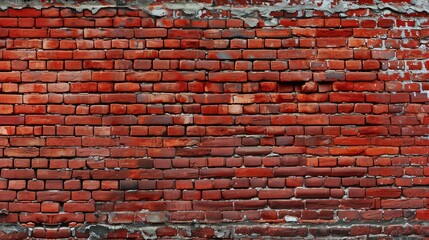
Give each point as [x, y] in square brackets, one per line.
[100, 231]
[250, 14]
[12, 228]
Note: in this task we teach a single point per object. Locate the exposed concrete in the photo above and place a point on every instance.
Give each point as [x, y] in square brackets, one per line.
[251, 14]
[97, 231]
[194, 7]
[4, 211]
[227, 230]
[16, 228]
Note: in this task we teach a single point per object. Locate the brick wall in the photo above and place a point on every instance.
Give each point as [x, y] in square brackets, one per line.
[214, 120]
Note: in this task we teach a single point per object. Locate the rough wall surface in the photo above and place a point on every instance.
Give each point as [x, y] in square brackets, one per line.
[212, 119]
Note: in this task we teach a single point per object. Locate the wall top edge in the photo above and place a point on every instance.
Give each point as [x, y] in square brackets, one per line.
[236, 8]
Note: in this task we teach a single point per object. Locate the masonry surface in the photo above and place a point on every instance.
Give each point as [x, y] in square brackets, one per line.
[211, 119]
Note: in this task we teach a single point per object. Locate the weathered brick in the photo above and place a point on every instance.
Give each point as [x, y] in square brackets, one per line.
[126, 116]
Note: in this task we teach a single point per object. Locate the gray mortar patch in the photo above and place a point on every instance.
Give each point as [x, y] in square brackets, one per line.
[249, 14]
[8, 229]
[195, 8]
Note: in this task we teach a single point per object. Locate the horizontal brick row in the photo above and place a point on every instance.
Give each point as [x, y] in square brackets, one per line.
[339, 80]
[345, 150]
[165, 162]
[235, 48]
[239, 231]
[188, 173]
[90, 56]
[112, 31]
[195, 131]
[103, 103]
[309, 192]
[254, 120]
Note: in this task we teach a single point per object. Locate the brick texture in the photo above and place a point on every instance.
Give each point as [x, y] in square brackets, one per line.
[128, 123]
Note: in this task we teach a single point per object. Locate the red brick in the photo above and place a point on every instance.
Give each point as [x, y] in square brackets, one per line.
[108, 76]
[57, 152]
[369, 33]
[78, 22]
[184, 76]
[24, 12]
[275, 194]
[213, 120]
[108, 33]
[259, 54]
[296, 54]
[49, 22]
[27, 141]
[312, 192]
[313, 120]
[273, 33]
[19, 54]
[79, 207]
[143, 76]
[137, 54]
[60, 196]
[151, 33]
[347, 120]
[118, 98]
[295, 76]
[228, 77]
[335, 54]
[361, 76]
[181, 54]
[239, 194]
[119, 120]
[383, 192]
[44, 119]
[179, 33]
[7, 195]
[254, 172]
[66, 33]
[74, 76]
[347, 97]
[11, 120]
[17, 173]
[28, 33]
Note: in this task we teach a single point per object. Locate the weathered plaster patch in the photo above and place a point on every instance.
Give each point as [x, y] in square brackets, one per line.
[248, 13]
[192, 8]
